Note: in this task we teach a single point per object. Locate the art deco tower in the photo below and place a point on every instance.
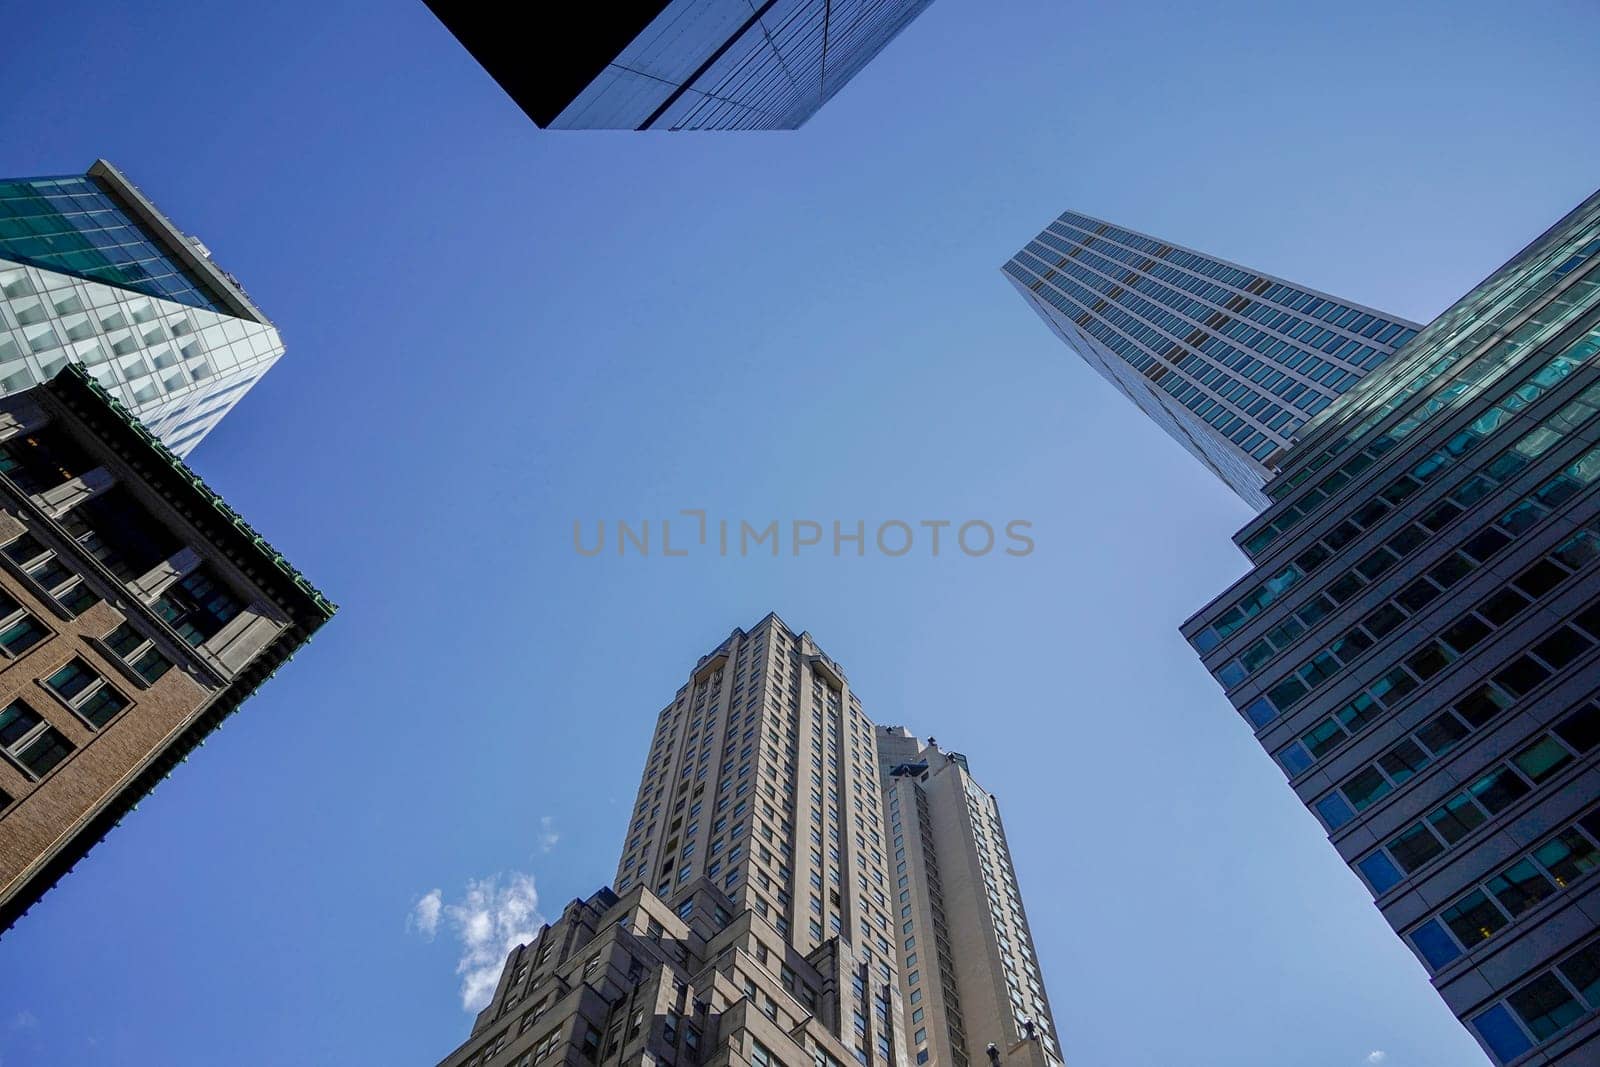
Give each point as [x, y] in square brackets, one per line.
[751, 914]
[759, 914]
[969, 975]
[1229, 361]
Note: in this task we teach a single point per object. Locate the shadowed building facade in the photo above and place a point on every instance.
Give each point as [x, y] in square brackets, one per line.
[678, 64]
[1230, 362]
[1417, 644]
[92, 273]
[137, 611]
[754, 919]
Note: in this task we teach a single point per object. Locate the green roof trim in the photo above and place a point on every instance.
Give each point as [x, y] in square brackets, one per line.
[75, 376]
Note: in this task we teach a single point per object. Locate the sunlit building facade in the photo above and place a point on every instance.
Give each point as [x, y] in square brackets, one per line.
[1230, 362]
[761, 913]
[137, 611]
[92, 273]
[1417, 644]
[969, 973]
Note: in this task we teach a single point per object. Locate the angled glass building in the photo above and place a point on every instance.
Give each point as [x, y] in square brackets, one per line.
[679, 64]
[1229, 361]
[1417, 644]
[92, 273]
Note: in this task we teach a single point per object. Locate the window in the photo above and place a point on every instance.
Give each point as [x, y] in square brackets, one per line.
[42, 460]
[114, 529]
[28, 739]
[1545, 1006]
[86, 692]
[138, 652]
[198, 606]
[19, 631]
[54, 577]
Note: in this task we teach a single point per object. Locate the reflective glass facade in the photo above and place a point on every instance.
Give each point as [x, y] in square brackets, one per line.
[1418, 644]
[694, 65]
[91, 274]
[75, 225]
[1230, 362]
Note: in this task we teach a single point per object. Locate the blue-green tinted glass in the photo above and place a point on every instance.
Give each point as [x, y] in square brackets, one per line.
[75, 226]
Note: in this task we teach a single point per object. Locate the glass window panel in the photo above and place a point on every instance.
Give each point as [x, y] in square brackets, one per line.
[1434, 944]
[1501, 1033]
[1568, 856]
[1520, 886]
[1545, 1006]
[43, 752]
[1542, 759]
[1456, 818]
[1413, 847]
[1474, 918]
[1498, 789]
[1582, 969]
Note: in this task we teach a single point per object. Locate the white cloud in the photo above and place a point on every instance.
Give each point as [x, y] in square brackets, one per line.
[1377, 1055]
[424, 915]
[548, 836]
[489, 921]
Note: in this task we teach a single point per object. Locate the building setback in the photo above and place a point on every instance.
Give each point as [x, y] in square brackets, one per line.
[678, 64]
[137, 610]
[1230, 362]
[1417, 644]
[969, 976]
[752, 918]
[92, 273]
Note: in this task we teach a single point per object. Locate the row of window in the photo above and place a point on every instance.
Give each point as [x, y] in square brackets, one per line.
[1491, 792]
[1457, 636]
[1519, 290]
[1527, 338]
[1515, 679]
[1543, 1007]
[1121, 330]
[1380, 560]
[1409, 756]
[1529, 446]
[1488, 907]
[37, 747]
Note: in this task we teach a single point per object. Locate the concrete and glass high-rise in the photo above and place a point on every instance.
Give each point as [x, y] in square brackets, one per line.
[1417, 644]
[1229, 361]
[137, 611]
[754, 917]
[970, 976]
[92, 273]
[678, 64]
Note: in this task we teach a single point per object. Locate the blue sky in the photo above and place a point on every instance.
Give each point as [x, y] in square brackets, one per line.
[493, 332]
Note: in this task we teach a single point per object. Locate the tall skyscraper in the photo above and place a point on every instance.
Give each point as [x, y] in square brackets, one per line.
[678, 64]
[92, 273]
[1229, 361]
[137, 611]
[754, 918]
[1417, 644]
[971, 977]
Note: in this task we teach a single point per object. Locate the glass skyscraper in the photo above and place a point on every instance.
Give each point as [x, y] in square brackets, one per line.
[1417, 644]
[679, 64]
[92, 273]
[1229, 361]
